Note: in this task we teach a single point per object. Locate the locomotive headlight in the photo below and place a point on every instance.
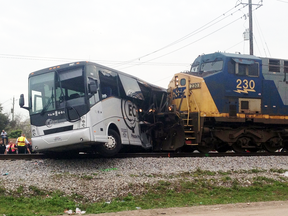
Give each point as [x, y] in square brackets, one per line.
[176, 80]
[140, 110]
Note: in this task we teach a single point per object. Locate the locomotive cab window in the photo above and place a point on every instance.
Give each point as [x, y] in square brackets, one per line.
[243, 67]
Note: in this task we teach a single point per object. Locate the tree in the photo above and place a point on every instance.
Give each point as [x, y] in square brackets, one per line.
[13, 127]
[4, 119]
[19, 125]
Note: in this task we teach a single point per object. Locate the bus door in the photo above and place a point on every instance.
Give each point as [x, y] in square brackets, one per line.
[130, 109]
[130, 116]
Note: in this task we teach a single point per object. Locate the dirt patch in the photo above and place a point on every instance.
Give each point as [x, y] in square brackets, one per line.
[238, 209]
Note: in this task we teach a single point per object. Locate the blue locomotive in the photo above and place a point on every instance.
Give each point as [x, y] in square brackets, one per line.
[233, 101]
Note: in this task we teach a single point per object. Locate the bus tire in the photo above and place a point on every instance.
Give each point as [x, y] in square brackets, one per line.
[113, 146]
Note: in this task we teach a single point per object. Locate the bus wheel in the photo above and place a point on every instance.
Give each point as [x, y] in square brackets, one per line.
[113, 146]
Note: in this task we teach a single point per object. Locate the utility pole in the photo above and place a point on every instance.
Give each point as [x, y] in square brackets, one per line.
[250, 4]
[12, 110]
[250, 27]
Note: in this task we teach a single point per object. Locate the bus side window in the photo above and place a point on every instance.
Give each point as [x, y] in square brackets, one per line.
[109, 82]
[106, 92]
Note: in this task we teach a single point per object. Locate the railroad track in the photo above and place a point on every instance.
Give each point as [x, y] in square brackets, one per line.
[135, 155]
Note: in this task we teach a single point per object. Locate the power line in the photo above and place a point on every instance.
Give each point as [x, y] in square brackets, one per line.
[282, 1]
[234, 45]
[202, 28]
[187, 44]
[39, 58]
[5, 102]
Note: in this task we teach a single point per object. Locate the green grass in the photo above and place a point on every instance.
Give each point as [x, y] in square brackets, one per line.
[201, 188]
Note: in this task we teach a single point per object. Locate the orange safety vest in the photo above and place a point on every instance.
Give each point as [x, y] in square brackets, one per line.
[12, 147]
[21, 141]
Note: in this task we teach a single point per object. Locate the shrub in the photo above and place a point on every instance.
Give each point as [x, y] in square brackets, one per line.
[15, 134]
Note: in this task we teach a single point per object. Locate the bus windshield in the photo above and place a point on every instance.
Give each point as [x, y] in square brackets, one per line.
[41, 93]
[56, 90]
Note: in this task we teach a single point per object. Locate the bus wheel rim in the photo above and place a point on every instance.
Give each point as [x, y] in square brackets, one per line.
[111, 144]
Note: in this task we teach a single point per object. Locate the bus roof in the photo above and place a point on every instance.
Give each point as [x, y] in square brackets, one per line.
[83, 63]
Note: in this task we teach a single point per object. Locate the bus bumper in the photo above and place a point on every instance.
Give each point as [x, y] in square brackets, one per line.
[62, 141]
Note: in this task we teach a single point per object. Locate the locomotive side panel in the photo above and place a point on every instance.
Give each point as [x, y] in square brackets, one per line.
[237, 106]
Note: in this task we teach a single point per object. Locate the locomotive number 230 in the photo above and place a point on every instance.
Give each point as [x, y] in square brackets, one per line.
[245, 86]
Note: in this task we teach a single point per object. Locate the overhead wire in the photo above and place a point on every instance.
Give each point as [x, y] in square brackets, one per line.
[209, 24]
[10, 56]
[244, 5]
[262, 38]
[282, 1]
[225, 50]
[5, 101]
[254, 38]
[186, 44]
[119, 63]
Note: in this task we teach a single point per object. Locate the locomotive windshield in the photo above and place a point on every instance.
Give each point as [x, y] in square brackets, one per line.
[207, 67]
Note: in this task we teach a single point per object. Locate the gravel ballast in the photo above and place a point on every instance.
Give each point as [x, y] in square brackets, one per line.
[105, 179]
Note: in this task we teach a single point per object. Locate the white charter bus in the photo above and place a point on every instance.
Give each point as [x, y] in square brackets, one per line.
[86, 106]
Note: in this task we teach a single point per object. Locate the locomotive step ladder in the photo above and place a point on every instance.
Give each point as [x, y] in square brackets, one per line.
[190, 136]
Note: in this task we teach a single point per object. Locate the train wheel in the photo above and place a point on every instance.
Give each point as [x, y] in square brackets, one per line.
[237, 148]
[270, 148]
[245, 144]
[206, 146]
[273, 144]
[238, 145]
[113, 146]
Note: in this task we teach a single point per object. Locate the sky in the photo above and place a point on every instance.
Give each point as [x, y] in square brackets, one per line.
[149, 39]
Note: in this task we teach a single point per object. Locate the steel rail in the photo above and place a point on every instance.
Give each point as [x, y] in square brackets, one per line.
[135, 155]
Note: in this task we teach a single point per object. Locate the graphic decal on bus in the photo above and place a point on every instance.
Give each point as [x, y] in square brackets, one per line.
[129, 113]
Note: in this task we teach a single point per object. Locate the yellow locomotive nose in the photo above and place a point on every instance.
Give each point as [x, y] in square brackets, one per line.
[190, 93]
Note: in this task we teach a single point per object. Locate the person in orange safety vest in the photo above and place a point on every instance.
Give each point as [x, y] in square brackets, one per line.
[22, 143]
[12, 148]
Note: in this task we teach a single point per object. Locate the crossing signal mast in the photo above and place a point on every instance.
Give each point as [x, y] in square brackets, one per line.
[250, 4]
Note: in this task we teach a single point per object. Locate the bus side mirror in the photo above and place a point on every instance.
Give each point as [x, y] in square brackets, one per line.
[93, 87]
[21, 100]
